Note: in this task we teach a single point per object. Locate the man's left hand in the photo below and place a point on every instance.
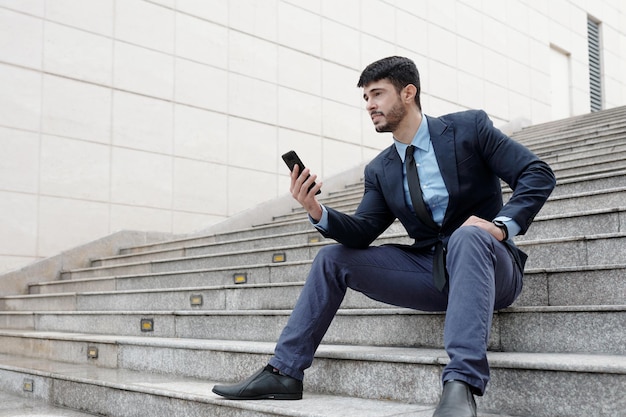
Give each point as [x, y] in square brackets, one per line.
[494, 230]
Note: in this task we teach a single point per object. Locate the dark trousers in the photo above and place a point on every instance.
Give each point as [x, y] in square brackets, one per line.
[483, 277]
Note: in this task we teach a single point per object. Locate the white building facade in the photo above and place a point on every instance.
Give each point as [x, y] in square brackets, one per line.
[171, 115]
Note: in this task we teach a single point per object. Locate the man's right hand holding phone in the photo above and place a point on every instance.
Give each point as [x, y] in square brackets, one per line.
[306, 197]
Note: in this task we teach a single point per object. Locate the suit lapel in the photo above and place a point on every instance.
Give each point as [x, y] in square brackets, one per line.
[393, 175]
[442, 138]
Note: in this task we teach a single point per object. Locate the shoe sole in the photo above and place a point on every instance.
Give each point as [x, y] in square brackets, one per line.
[294, 396]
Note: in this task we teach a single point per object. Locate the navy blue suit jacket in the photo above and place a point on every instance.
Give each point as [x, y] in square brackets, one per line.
[473, 157]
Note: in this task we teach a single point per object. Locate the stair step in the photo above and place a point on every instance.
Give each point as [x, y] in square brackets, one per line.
[530, 328]
[576, 251]
[411, 375]
[116, 392]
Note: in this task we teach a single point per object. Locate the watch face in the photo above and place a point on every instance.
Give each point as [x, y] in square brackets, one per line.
[503, 227]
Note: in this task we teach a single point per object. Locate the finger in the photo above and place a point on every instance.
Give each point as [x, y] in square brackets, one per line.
[302, 177]
[295, 173]
[308, 183]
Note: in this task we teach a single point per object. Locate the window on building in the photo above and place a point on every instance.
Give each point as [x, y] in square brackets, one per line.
[595, 64]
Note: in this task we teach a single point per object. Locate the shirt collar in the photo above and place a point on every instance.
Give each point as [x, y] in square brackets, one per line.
[421, 139]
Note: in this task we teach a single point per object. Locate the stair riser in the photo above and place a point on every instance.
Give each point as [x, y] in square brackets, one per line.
[592, 223]
[573, 253]
[569, 332]
[169, 244]
[66, 286]
[60, 350]
[52, 303]
[17, 321]
[578, 331]
[565, 188]
[600, 287]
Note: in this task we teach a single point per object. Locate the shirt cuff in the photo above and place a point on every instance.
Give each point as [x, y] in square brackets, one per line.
[322, 224]
[511, 225]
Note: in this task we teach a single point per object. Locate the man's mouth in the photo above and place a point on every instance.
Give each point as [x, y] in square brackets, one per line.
[375, 115]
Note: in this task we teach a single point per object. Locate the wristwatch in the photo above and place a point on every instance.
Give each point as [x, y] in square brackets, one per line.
[500, 224]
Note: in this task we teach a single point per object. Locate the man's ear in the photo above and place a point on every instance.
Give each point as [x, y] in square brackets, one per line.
[408, 93]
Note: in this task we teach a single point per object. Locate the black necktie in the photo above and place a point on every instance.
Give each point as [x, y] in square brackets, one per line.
[415, 190]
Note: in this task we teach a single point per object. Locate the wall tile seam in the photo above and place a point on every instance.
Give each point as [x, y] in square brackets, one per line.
[21, 192]
[20, 129]
[77, 28]
[22, 12]
[19, 66]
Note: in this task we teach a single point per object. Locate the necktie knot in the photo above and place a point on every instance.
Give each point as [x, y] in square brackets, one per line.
[409, 155]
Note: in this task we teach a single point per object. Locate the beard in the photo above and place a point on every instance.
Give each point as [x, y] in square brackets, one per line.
[392, 118]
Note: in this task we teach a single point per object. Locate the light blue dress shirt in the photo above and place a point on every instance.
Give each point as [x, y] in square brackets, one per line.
[433, 187]
[434, 190]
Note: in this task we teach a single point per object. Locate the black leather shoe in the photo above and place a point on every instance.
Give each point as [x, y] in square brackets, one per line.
[456, 401]
[265, 384]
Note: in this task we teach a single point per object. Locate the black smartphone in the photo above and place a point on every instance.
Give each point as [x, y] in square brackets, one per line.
[291, 159]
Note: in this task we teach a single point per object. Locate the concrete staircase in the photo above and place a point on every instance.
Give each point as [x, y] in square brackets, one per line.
[150, 330]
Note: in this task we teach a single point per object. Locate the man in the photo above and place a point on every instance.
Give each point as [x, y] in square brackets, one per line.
[462, 262]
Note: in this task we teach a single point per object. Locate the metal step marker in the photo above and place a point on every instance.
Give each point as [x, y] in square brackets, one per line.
[196, 300]
[240, 278]
[279, 257]
[147, 325]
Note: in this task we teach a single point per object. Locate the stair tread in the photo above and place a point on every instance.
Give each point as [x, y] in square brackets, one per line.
[196, 390]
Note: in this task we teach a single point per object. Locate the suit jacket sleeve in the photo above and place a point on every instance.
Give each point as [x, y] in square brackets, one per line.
[371, 218]
[531, 179]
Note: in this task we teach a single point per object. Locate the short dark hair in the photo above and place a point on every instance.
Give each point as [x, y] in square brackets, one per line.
[400, 71]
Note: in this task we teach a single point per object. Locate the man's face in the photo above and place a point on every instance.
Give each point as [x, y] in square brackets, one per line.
[383, 105]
